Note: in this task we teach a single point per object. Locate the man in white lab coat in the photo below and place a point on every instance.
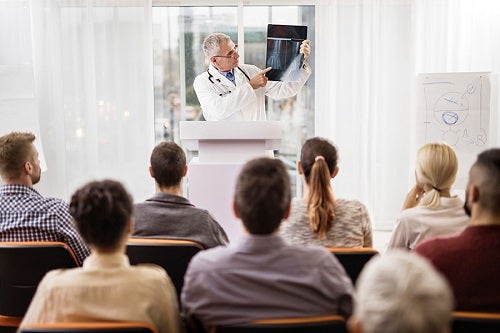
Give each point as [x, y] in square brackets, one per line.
[229, 91]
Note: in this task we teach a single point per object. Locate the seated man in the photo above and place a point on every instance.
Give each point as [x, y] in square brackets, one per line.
[401, 292]
[25, 215]
[470, 261]
[106, 288]
[262, 276]
[168, 214]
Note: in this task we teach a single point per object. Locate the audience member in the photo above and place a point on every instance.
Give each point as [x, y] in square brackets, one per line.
[471, 260]
[168, 214]
[318, 218]
[262, 276]
[401, 293]
[429, 209]
[25, 215]
[107, 287]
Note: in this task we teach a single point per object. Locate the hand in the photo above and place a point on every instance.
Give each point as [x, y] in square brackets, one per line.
[413, 197]
[260, 80]
[305, 48]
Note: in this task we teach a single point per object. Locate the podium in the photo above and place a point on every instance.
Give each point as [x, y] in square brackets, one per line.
[223, 148]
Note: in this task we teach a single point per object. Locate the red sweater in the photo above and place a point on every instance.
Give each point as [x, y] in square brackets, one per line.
[471, 263]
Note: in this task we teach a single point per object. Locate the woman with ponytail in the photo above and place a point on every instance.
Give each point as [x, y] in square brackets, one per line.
[318, 218]
[429, 209]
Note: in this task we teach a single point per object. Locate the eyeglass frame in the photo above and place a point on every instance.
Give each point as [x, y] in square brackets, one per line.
[231, 53]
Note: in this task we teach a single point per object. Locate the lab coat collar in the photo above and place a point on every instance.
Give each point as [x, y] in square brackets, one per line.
[223, 80]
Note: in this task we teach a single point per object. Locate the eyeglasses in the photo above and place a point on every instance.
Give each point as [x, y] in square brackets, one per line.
[231, 53]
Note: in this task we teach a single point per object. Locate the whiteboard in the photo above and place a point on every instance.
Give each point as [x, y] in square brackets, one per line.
[455, 108]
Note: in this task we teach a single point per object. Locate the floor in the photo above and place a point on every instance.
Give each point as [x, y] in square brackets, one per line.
[380, 240]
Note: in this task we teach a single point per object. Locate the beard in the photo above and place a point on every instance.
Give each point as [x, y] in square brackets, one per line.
[466, 204]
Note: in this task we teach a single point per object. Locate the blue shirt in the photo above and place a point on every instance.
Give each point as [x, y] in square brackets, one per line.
[229, 75]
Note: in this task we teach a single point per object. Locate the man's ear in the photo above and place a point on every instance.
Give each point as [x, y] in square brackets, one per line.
[354, 325]
[184, 173]
[474, 194]
[299, 168]
[28, 167]
[151, 173]
[287, 211]
[335, 172]
[235, 209]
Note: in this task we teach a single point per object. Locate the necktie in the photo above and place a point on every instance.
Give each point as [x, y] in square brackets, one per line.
[230, 77]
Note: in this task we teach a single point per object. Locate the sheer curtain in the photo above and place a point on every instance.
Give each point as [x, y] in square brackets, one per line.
[94, 89]
[370, 54]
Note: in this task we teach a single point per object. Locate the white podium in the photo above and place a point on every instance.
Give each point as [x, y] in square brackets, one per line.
[223, 147]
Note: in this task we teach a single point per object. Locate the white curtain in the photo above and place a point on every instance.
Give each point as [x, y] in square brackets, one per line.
[368, 54]
[94, 89]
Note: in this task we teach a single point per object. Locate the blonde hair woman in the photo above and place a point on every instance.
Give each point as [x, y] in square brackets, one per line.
[429, 209]
[318, 218]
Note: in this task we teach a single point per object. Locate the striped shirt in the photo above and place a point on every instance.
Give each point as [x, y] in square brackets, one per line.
[351, 227]
[25, 215]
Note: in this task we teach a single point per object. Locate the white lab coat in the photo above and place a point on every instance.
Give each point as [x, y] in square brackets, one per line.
[221, 100]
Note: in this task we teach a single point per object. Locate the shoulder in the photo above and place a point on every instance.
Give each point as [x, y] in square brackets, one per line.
[210, 259]
[351, 205]
[250, 69]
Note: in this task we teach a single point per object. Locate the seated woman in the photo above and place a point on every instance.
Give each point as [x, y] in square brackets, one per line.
[107, 287]
[318, 218]
[429, 209]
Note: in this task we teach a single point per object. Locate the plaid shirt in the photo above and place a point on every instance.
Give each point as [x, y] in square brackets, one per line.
[27, 216]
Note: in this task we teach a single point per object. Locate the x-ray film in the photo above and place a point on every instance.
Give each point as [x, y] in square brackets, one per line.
[283, 51]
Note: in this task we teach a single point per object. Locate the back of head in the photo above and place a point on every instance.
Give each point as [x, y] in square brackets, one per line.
[168, 161]
[402, 293]
[102, 211]
[211, 43]
[437, 166]
[262, 195]
[15, 149]
[485, 175]
[318, 159]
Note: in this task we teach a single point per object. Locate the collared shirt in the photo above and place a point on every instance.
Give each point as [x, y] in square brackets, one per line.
[172, 216]
[264, 277]
[25, 215]
[229, 75]
[106, 288]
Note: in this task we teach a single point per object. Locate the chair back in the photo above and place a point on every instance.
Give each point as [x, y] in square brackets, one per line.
[173, 255]
[353, 259]
[465, 322]
[323, 324]
[22, 266]
[90, 327]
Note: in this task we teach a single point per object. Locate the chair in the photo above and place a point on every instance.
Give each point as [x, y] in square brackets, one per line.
[173, 255]
[90, 327]
[22, 266]
[484, 322]
[324, 324]
[353, 259]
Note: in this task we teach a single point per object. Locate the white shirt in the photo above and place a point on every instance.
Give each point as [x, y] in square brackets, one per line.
[421, 223]
[220, 99]
[106, 288]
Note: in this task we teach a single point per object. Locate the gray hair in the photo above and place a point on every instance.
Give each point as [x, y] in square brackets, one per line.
[211, 43]
[402, 292]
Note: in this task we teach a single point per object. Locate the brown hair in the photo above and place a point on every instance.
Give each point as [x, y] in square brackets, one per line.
[485, 174]
[102, 211]
[318, 159]
[168, 162]
[15, 149]
[262, 195]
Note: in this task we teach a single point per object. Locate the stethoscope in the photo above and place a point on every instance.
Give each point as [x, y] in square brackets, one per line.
[220, 88]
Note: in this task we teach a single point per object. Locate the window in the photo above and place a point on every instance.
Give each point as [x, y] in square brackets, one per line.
[178, 33]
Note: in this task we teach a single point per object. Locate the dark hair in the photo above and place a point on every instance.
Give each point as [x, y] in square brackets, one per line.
[168, 162]
[262, 195]
[485, 174]
[102, 211]
[15, 150]
[318, 159]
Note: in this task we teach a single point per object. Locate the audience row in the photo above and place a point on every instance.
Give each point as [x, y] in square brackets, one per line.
[277, 268]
